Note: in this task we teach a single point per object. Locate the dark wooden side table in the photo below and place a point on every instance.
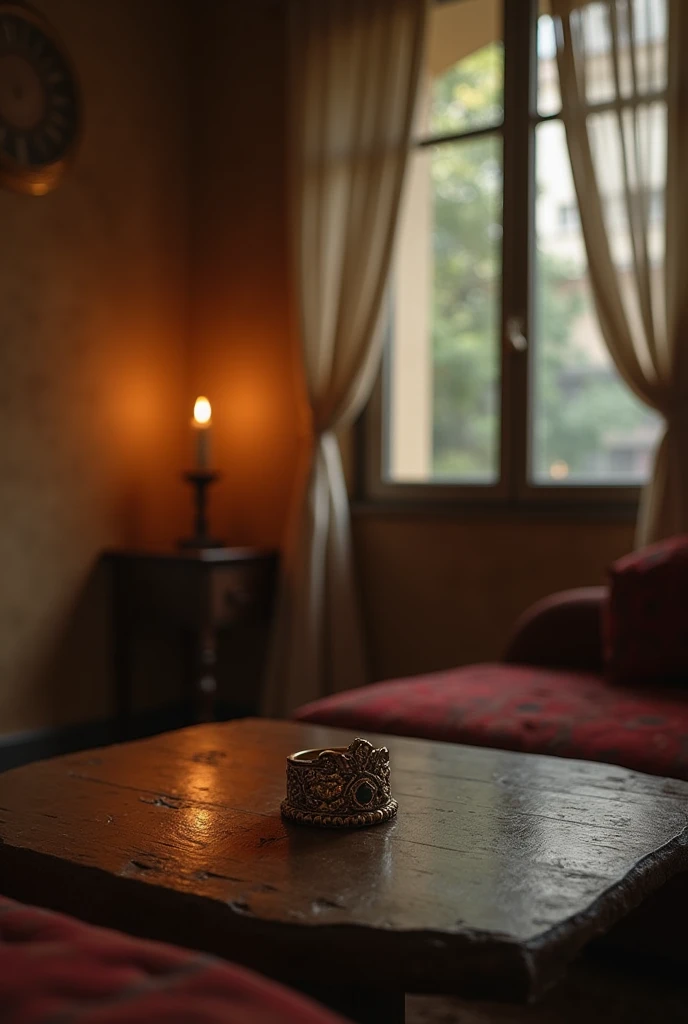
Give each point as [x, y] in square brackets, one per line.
[195, 593]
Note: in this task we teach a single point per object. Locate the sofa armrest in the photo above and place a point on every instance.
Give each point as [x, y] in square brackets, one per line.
[561, 631]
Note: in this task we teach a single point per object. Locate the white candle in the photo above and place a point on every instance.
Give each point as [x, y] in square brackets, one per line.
[202, 422]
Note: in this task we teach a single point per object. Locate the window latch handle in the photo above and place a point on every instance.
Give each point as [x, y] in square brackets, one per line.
[515, 335]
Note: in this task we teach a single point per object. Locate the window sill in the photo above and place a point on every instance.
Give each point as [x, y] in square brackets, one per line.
[588, 511]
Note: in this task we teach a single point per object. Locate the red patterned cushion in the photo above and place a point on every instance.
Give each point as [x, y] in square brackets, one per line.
[53, 968]
[516, 707]
[646, 620]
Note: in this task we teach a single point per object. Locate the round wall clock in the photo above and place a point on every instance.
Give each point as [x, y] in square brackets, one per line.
[39, 102]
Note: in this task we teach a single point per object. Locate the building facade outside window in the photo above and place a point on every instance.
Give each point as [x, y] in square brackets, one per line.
[496, 381]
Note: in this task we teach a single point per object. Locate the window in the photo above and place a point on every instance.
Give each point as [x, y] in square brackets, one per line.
[496, 381]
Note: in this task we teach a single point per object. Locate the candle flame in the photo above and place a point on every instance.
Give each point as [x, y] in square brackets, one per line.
[202, 412]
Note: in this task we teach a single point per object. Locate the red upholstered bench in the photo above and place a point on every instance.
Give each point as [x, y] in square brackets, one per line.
[549, 696]
[55, 969]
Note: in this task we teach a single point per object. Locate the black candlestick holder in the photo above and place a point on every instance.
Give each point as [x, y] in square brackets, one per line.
[201, 479]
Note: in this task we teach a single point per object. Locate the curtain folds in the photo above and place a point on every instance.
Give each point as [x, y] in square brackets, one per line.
[354, 69]
[624, 87]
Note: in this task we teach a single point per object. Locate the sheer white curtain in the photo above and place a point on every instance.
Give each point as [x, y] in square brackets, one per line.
[354, 69]
[623, 69]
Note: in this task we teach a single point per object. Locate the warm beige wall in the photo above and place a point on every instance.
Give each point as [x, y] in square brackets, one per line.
[439, 591]
[92, 359]
[240, 352]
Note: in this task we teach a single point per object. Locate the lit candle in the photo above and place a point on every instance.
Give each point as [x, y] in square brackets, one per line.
[202, 422]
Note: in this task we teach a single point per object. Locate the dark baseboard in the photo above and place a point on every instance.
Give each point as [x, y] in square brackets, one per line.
[21, 748]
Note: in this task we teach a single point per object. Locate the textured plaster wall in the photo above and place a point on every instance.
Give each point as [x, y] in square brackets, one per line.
[241, 351]
[92, 359]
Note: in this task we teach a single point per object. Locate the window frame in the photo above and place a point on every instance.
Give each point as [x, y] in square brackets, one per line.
[516, 371]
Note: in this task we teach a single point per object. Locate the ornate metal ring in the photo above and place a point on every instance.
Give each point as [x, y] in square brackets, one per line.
[344, 787]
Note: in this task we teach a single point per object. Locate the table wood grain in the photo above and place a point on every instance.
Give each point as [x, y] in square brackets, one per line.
[498, 869]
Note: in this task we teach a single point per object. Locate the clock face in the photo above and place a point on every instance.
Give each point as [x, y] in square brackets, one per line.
[39, 103]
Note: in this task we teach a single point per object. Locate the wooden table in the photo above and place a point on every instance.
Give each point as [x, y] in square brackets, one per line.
[499, 868]
[195, 592]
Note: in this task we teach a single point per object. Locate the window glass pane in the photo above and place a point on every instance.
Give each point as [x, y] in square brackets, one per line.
[462, 85]
[587, 426]
[442, 393]
[638, 62]
[548, 96]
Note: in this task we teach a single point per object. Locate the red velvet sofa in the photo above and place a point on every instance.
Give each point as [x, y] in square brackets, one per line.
[55, 969]
[549, 695]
